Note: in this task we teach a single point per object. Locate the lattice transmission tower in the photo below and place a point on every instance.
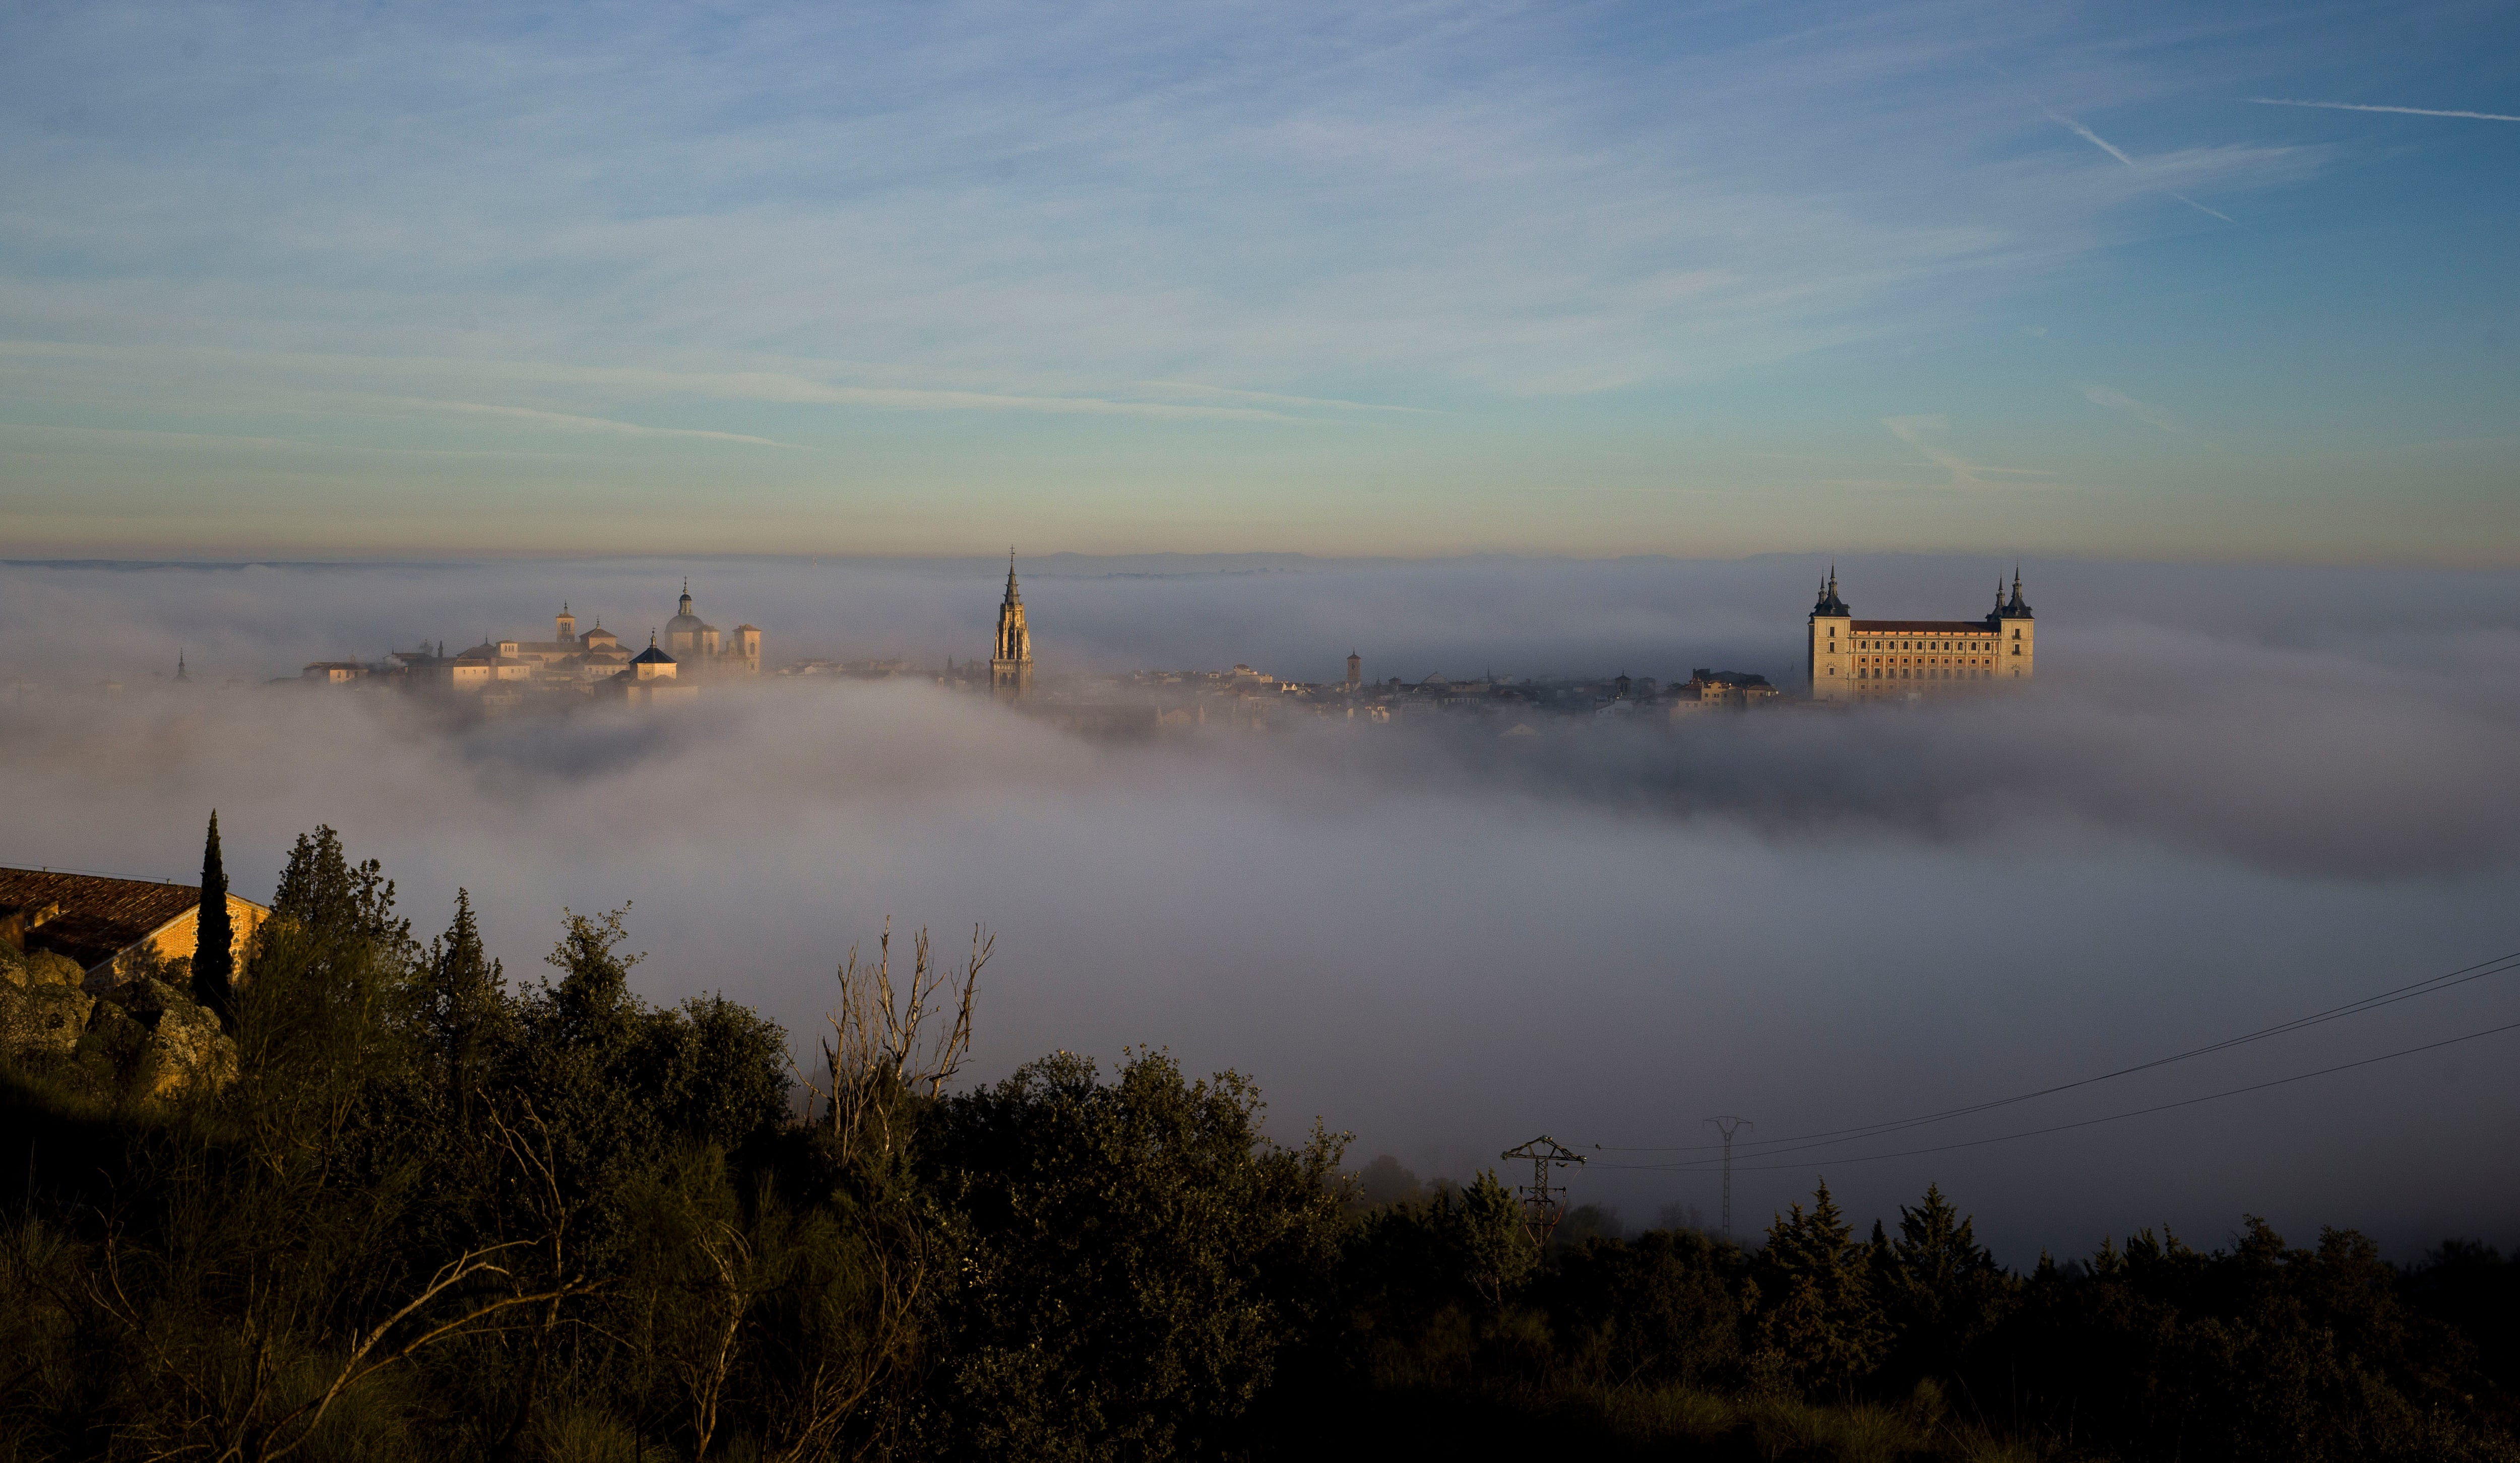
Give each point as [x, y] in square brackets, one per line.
[1727, 1126]
[1543, 1205]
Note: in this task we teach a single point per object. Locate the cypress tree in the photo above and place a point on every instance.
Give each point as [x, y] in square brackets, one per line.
[214, 958]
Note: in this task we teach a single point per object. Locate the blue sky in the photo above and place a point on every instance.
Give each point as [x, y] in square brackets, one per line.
[1413, 279]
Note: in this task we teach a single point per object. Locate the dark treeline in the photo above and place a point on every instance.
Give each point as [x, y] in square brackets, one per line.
[426, 1212]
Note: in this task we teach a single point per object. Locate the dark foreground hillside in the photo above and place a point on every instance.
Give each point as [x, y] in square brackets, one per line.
[416, 1210]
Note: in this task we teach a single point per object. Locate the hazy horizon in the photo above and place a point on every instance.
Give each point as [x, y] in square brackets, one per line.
[2233, 797]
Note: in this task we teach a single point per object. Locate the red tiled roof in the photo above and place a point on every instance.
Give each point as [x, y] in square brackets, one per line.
[99, 917]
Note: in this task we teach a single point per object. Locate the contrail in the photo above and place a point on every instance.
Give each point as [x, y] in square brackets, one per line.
[2110, 147]
[2481, 116]
[2201, 208]
[2091, 137]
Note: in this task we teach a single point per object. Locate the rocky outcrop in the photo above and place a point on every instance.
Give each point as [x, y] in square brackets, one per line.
[188, 1050]
[42, 1018]
[157, 1041]
[42, 1008]
[42, 968]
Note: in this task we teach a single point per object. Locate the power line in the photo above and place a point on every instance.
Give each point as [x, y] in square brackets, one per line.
[2429, 986]
[1700, 1164]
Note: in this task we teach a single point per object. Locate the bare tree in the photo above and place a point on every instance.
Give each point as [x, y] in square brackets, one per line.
[895, 1046]
[889, 1042]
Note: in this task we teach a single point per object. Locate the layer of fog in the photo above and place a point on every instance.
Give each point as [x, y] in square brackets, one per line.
[2232, 796]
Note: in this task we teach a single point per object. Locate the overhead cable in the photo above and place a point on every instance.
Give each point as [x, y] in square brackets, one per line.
[2429, 986]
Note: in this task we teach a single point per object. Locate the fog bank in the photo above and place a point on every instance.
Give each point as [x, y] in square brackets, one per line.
[2231, 797]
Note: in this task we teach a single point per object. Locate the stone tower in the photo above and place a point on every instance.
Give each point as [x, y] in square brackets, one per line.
[1011, 662]
[565, 624]
[2016, 631]
[1355, 670]
[1831, 657]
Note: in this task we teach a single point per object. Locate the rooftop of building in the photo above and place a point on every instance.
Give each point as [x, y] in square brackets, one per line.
[97, 915]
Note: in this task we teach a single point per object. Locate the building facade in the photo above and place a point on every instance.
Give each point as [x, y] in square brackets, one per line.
[95, 920]
[1010, 661]
[694, 642]
[1853, 660]
[569, 661]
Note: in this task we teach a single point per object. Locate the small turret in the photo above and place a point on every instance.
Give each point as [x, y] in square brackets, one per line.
[1828, 603]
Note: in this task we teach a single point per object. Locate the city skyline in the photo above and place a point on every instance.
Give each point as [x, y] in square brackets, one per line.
[1704, 282]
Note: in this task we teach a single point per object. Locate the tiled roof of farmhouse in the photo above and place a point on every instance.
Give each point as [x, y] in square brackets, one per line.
[1921, 627]
[99, 916]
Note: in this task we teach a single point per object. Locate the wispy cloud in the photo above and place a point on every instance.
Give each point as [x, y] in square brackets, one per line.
[1920, 432]
[2477, 117]
[2118, 401]
[570, 422]
[1227, 393]
[308, 375]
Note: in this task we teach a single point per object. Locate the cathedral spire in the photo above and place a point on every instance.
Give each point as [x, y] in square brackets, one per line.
[1011, 658]
[180, 674]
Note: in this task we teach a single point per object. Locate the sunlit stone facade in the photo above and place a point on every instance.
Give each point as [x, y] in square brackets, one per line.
[1852, 659]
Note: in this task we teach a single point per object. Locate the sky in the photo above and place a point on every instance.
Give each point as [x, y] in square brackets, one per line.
[1416, 280]
[2232, 796]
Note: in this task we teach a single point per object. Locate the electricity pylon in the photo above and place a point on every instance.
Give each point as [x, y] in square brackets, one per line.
[1541, 1205]
[1727, 1126]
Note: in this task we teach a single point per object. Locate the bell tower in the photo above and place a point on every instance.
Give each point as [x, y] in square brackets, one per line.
[1831, 657]
[1010, 661]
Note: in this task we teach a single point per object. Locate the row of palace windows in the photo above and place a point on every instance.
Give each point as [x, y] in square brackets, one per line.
[1873, 644]
[1868, 674]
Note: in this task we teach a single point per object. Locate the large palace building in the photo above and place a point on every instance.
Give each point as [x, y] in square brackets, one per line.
[1854, 659]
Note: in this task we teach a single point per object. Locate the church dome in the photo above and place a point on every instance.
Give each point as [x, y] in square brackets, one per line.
[685, 622]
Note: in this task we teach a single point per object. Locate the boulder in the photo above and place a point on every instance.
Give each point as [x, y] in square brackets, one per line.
[147, 998]
[114, 1039]
[188, 1050]
[46, 968]
[158, 1039]
[48, 1018]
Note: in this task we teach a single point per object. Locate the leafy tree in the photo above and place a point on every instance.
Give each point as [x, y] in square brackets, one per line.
[1141, 1256]
[1819, 1322]
[1663, 1307]
[338, 901]
[1941, 1289]
[463, 1011]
